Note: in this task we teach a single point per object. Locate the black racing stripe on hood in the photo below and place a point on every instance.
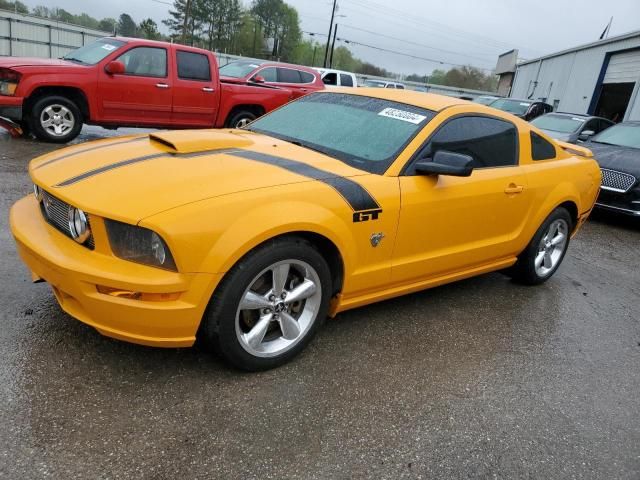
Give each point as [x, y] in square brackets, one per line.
[131, 161]
[97, 147]
[354, 193]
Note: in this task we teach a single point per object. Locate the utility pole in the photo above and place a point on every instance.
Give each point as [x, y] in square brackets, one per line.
[313, 59]
[326, 52]
[333, 45]
[186, 21]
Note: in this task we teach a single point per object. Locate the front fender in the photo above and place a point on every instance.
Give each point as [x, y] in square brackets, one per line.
[212, 235]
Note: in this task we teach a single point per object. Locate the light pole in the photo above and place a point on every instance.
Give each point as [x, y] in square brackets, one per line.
[326, 51]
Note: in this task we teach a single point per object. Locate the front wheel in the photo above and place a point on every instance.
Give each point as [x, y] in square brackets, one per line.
[545, 252]
[55, 119]
[269, 305]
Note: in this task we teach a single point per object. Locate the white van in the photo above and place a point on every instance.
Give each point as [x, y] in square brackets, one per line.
[382, 84]
[337, 78]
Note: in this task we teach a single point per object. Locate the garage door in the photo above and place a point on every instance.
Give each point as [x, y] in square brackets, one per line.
[623, 68]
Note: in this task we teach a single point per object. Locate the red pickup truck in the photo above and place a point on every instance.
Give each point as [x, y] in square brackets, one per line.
[124, 82]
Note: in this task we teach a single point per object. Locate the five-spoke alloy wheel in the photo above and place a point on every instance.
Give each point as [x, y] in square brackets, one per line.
[55, 119]
[542, 257]
[269, 305]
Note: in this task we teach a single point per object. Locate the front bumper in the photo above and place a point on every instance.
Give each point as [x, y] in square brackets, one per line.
[11, 107]
[627, 203]
[74, 272]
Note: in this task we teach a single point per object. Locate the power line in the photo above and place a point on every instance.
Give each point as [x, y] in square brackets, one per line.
[414, 43]
[441, 62]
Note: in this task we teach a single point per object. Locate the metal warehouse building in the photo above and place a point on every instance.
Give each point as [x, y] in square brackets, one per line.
[601, 78]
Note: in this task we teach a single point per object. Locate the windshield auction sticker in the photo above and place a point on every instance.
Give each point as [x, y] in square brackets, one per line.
[402, 115]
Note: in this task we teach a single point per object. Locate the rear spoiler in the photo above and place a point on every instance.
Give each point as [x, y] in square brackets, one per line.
[575, 149]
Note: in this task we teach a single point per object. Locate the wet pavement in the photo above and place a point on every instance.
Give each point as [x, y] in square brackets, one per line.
[478, 379]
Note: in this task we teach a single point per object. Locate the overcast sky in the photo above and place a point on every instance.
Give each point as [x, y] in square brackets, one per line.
[455, 31]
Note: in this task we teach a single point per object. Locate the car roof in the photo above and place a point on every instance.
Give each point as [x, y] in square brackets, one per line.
[430, 101]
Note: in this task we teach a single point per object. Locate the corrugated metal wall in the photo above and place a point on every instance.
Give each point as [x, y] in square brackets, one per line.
[569, 78]
[29, 36]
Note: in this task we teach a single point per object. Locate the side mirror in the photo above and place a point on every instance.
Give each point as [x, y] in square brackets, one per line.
[586, 135]
[115, 68]
[446, 163]
[258, 79]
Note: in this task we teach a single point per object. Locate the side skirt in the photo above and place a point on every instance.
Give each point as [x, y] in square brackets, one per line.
[340, 303]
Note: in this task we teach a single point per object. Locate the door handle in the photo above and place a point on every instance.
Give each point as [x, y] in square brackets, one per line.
[162, 85]
[513, 188]
[207, 89]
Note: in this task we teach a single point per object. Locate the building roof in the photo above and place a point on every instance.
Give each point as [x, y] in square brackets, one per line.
[597, 43]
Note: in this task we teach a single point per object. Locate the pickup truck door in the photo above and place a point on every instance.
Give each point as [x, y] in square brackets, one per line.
[140, 96]
[196, 96]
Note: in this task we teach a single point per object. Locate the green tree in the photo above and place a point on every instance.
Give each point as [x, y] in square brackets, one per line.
[149, 29]
[107, 24]
[16, 6]
[126, 26]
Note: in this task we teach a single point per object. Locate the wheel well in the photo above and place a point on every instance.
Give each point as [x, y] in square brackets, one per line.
[331, 254]
[74, 94]
[573, 211]
[257, 110]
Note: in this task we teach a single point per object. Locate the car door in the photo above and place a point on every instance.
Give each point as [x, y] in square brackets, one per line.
[292, 79]
[450, 224]
[195, 98]
[142, 95]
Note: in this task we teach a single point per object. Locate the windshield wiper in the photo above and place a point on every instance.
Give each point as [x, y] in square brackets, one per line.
[304, 145]
[73, 59]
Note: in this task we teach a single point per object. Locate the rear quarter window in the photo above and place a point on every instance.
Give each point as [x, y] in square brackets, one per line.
[307, 77]
[541, 149]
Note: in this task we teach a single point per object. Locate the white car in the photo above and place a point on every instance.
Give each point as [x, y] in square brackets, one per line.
[382, 84]
[337, 78]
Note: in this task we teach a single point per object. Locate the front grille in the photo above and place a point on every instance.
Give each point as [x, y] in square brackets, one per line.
[56, 212]
[616, 181]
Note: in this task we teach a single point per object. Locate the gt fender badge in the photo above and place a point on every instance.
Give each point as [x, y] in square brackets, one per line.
[376, 238]
[365, 215]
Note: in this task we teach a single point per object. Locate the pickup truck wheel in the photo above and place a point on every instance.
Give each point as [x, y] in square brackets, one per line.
[545, 252]
[55, 119]
[269, 305]
[242, 119]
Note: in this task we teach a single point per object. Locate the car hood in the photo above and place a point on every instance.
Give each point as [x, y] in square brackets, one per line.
[12, 62]
[623, 159]
[131, 178]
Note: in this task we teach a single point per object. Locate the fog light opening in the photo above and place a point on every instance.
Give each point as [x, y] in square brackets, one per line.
[131, 295]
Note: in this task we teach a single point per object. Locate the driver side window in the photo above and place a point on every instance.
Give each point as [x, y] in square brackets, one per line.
[489, 141]
[145, 62]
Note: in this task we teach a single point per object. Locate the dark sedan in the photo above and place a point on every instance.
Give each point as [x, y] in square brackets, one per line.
[617, 150]
[525, 109]
[569, 127]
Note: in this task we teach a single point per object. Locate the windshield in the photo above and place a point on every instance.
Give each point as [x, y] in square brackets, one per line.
[367, 133]
[485, 100]
[374, 83]
[624, 135]
[94, 52]
[512, 106]
[238, 69]
[558, 123]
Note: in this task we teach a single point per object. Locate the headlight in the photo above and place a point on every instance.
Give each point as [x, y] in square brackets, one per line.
[139, 244]
[78, 225]
[8, 88]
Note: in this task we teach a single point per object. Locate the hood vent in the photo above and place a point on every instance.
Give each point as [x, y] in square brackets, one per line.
[191, 141]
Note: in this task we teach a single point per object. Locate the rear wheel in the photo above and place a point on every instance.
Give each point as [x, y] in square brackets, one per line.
[242, 119]
[269, 305]
[545, 252]
[55, 119]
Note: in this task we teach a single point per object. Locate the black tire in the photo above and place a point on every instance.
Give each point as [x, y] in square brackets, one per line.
[241, 118]
[56, 102]
[218, 328]
[525, 271]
